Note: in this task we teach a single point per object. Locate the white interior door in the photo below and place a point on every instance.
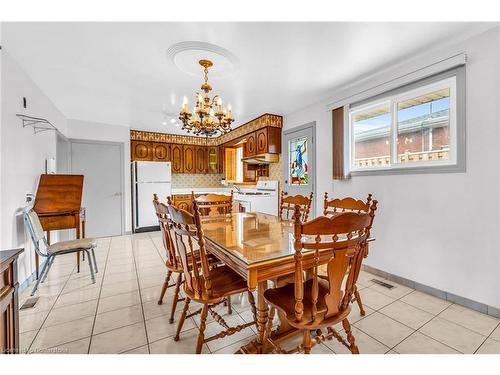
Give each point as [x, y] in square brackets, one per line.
[102, 167]
[299, 164]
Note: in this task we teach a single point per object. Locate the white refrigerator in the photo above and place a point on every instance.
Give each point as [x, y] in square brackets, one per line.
[149, 177]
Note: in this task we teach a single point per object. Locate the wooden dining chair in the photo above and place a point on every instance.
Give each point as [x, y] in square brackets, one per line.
[334, 207]
[214, 204]
[315, 304]
[288, 203]
[204, 284]
[173, 262]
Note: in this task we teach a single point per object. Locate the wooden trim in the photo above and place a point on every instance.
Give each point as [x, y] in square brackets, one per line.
[338, 143]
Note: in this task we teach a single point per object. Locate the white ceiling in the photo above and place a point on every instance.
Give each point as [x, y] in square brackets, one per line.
[119, 73]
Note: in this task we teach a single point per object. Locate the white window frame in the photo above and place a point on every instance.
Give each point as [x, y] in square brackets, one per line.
[393, 100]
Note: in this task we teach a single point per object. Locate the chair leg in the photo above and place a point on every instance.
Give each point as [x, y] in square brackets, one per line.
[51, 261]
[229, 306]
[92, 276]
[182, 319]
[350, 338]
[41, 275]
[269, 327]
[176, 297]
[164, 287]
[201, 335]
[251, 299]
[307, 344]
[358, 300]
[95, 260]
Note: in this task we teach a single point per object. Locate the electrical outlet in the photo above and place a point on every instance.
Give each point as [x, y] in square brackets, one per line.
[29, 197]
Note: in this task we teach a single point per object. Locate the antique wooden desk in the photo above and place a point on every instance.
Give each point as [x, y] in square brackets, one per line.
[260, 248]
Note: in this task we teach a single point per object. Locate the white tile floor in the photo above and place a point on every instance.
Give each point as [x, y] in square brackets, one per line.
[120, 314]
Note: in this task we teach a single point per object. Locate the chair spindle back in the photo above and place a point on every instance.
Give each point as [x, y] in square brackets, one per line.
[186, 229]
[288, 203]
[334, 206]
[341, 240]
[165, 226]
[214, 204]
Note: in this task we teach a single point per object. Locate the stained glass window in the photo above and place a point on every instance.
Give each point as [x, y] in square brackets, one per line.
[298, 173]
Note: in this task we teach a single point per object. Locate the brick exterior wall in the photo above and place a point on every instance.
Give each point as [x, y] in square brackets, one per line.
[411, 142]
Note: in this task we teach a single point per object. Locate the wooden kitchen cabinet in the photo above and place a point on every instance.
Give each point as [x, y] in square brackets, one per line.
[161, 152]
[268, 140]
[220, 161]
[213, 158]
[188, 159]
[176, 153]
[261, 140]
[250, 146]
[201, 159]
[141, 150]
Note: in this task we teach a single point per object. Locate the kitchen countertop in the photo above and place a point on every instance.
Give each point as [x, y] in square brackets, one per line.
[217, 190]
[214, 190]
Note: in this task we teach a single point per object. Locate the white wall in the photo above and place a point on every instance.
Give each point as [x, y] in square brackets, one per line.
[22, 152]
[437, 229]
[112, 133]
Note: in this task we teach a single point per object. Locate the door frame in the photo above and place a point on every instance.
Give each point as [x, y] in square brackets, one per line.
[122, 178]
[284, 164]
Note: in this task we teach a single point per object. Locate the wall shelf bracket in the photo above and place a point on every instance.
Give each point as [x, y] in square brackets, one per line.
[39, 124]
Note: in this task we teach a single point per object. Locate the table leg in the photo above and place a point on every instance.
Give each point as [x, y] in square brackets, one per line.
[258, 346]
[262, 315]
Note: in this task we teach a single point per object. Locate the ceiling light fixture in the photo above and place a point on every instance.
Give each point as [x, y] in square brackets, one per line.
[208, 117]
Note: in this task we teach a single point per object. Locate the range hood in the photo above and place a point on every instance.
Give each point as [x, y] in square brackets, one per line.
[261, 159]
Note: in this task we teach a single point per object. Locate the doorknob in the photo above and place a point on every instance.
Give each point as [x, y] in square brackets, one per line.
[117, 194]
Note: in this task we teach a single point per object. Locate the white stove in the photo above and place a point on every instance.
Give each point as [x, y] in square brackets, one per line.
[264, 198]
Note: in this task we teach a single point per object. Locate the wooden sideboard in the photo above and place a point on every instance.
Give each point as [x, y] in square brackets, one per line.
[9, 302]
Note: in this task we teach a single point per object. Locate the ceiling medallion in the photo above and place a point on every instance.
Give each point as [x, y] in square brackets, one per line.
[208, 117]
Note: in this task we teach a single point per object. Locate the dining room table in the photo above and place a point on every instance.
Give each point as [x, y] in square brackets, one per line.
[260, 248]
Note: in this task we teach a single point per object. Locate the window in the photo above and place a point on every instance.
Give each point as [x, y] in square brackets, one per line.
[298, 166]
[412, 128]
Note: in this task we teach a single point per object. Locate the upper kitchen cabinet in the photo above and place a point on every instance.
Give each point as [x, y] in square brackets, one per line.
[141, 150]
[161, 152]
[176, 158]
[268, 140]
[188, 153]
[220, 160]
[250, 145]
[201, 162]
[213, 158]
[263, 141]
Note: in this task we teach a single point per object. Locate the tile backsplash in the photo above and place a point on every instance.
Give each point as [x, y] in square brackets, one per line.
[186, 180]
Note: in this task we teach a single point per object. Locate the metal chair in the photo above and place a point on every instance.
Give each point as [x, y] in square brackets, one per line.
[34, 227]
